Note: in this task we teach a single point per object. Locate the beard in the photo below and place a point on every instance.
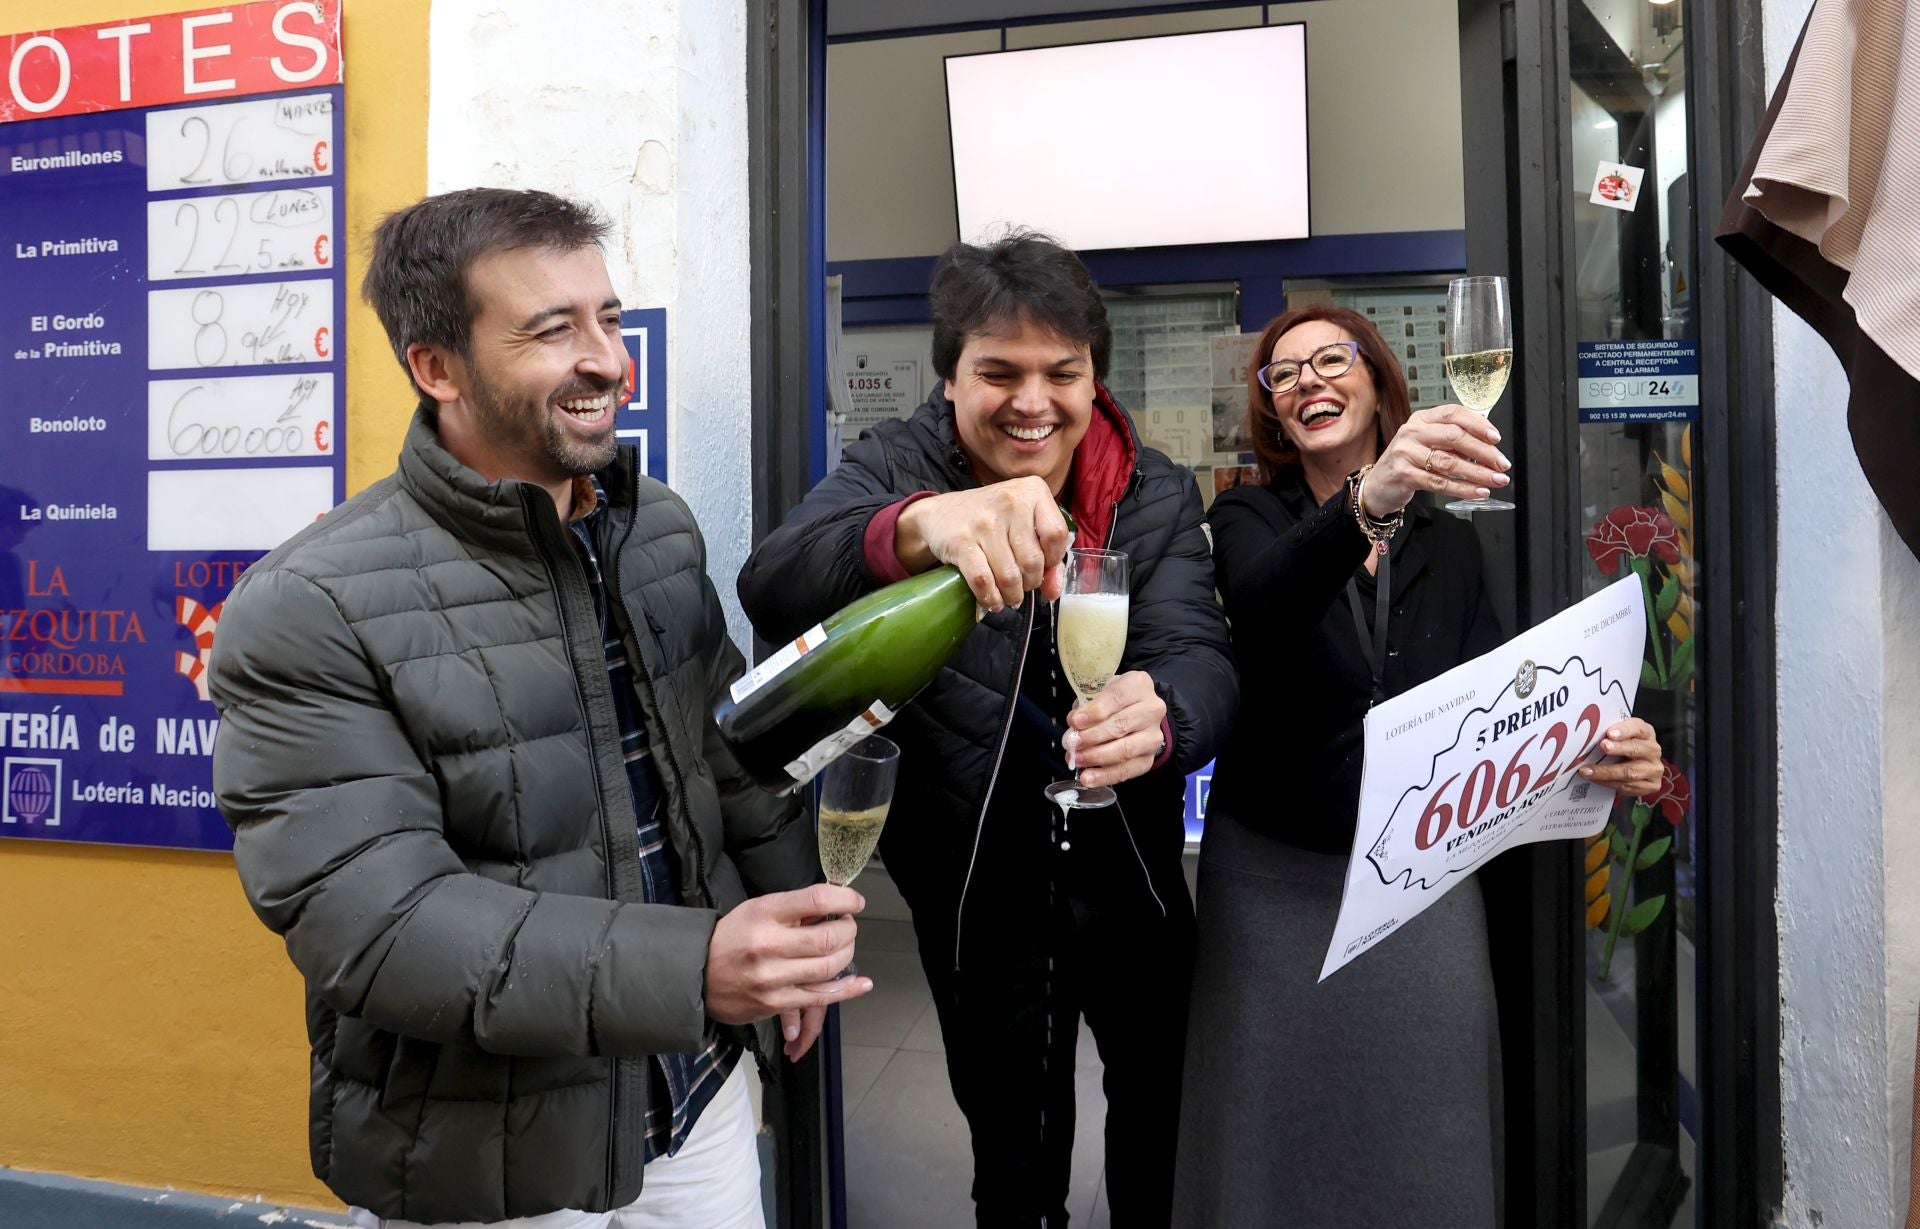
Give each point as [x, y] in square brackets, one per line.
[531, 429]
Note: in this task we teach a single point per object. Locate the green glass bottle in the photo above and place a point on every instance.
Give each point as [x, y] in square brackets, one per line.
[845, 678]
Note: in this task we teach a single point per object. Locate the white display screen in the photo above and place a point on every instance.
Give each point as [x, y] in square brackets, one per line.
[1148, 142]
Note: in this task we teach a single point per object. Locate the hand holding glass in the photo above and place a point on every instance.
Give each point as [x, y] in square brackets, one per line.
[1091, 629]
[1479, 355]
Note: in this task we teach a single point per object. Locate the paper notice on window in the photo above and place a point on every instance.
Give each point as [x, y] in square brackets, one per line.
[1485, 758]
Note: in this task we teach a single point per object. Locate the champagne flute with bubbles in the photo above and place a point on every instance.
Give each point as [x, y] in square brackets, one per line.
[1091, 628]
[1479, 355]
[856, 792]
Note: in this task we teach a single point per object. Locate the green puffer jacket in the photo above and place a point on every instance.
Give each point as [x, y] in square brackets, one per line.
[420, 759]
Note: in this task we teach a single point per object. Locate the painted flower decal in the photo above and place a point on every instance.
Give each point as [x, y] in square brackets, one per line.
[1675, 795]
[1632, 531]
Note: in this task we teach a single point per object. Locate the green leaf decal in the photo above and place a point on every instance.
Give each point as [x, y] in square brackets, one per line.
[1669, 600]
[1682, 663]
[1643, 915]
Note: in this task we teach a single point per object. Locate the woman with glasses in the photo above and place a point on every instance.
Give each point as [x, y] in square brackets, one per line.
[1374, 1098]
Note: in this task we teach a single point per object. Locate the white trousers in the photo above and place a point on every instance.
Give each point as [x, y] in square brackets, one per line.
[713, 1182]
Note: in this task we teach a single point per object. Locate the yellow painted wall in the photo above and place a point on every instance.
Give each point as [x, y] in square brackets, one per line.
[151, 1030]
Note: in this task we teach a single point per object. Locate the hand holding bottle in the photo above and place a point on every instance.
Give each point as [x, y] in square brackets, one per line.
[765, 958]
[1006, 540]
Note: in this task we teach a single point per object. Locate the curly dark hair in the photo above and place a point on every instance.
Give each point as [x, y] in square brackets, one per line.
[1023, 276]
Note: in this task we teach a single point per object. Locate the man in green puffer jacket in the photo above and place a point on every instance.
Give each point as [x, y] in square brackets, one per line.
[467, 756]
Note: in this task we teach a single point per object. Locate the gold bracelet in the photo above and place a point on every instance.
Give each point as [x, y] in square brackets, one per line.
[1378, 532]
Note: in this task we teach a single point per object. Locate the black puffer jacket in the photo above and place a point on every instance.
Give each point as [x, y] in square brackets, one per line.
[420, 758]
[952, 736]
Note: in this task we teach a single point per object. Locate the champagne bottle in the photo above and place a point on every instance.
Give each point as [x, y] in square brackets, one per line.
[845, 678]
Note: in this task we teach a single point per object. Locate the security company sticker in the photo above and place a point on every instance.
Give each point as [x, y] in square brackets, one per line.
[1648, 380]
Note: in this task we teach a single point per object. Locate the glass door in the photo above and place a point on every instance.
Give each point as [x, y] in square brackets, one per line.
[1639, 1005]
[1636, 394]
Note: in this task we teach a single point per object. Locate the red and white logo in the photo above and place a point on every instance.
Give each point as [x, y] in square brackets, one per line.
[202, 623]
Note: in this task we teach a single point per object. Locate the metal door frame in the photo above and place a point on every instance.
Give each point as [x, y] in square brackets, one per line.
[1515, 100]
[786, 75]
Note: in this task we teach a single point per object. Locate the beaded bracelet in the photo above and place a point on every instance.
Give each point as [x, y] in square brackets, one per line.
[1377, 532]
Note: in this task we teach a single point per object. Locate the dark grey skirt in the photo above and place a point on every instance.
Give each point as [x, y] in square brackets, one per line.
[1372, 1099]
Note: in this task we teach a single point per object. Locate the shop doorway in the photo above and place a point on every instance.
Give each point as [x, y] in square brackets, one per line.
[1642, 1083]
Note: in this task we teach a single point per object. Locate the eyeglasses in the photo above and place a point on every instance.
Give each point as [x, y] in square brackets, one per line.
[1336, 358]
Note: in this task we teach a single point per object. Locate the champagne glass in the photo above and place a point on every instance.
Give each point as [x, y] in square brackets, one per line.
[1092, 633]
[1479, 355]
[856, 791]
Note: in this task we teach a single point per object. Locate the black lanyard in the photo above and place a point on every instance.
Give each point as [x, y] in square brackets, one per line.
[1375, 648]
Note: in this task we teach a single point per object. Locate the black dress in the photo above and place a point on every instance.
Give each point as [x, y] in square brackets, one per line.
[1372, 1099]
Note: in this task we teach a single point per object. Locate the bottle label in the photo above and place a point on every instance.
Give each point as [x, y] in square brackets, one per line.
[764, 673]
[830, 748]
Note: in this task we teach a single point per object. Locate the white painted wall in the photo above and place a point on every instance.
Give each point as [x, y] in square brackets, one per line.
[1833, 1001]
[1849, 889]
[1383, 107]
[1900, 813]
[641, 109]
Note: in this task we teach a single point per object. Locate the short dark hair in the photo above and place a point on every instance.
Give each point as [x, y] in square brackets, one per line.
[417, 271]
[1022, 276]
[1392, 407]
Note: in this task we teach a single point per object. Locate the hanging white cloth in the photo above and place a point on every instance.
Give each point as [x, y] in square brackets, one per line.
[1841, 166]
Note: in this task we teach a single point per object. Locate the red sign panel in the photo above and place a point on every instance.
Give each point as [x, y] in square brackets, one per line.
[263, 47]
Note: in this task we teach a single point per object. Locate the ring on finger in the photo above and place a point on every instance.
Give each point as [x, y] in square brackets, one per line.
[1428, 463]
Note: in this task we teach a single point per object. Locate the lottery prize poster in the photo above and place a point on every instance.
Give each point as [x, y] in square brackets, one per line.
[1484, 758]
[171, 305]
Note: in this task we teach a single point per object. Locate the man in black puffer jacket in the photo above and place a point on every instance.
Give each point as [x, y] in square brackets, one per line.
[467, 755]
[1026, 918]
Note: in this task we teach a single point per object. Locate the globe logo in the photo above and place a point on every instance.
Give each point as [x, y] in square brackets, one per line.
[30, 792]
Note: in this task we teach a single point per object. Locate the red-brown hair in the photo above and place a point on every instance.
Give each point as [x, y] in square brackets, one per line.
[1271, 447]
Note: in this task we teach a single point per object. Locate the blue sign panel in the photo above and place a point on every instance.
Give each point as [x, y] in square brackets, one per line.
[642, 420]
[1639, 381]
[171, 407]
[1199, 785]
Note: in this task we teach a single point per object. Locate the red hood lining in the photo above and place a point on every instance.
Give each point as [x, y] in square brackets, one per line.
[1103, 467]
